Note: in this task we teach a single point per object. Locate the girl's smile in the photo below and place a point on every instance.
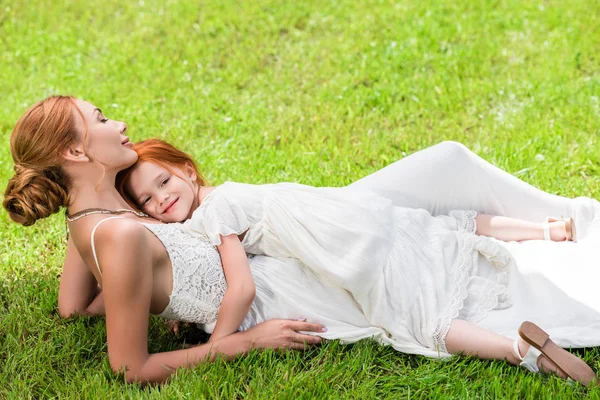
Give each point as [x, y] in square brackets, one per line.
[171, 206]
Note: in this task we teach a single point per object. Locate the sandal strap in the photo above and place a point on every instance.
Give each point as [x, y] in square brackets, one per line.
[528, 362]
[546, 228]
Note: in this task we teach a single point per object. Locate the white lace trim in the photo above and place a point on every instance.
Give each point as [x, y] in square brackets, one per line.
[494, 293]
[198, 280]
[466, 220]
[496, 299]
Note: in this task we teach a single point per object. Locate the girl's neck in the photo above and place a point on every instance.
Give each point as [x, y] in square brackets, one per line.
[203, 191]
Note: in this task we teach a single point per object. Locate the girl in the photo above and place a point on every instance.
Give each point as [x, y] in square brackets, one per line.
[142, 187]
[349, 238]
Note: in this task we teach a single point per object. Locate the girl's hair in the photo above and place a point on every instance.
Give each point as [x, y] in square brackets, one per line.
[160, 153]
[40, 186]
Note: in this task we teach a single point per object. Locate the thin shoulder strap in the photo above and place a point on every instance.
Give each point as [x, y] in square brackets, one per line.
[93, 246]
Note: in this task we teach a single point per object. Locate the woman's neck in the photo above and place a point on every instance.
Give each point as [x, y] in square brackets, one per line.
[102, 194]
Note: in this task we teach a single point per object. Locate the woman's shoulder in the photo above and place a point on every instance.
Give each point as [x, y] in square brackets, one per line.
[105, 241]
[112, 231]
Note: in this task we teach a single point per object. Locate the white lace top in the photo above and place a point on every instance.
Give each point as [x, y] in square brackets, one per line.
[198, 280]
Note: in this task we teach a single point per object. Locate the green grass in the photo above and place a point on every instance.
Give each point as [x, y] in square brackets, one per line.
[318, 92]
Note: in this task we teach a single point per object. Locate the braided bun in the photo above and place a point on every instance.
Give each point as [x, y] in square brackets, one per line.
[32, 195]
[40, 186]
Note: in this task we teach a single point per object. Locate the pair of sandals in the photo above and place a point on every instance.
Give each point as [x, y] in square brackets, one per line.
[541, 344]
[539, 341]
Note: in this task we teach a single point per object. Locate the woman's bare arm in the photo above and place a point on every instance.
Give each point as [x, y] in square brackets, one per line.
[240, 287]
[78, 292]
[126, 266]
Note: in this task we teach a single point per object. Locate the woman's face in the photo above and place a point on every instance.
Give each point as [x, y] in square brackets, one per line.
[105, 141]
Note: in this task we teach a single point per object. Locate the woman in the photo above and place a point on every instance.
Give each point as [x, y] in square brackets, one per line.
[67, 153]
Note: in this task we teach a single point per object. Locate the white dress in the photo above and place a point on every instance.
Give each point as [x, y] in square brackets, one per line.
[552, 284]
[351, 260]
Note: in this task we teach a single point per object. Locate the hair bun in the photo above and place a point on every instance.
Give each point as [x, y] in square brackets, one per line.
[32, 194]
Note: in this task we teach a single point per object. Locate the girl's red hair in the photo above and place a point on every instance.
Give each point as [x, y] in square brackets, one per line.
[160, 153]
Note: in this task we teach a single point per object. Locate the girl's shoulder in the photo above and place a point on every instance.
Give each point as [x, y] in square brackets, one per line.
[230, 190]
[219, 214]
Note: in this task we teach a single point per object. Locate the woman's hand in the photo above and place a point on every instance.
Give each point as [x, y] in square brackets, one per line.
[174, 325]
[283, 334]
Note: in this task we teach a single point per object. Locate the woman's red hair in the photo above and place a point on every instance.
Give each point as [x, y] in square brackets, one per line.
[160, 153]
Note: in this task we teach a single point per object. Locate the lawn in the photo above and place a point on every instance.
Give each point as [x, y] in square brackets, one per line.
[317, 92]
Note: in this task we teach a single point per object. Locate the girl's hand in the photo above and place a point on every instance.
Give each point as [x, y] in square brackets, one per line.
[283, 334]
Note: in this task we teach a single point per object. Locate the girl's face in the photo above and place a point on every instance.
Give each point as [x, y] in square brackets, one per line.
[164, 195]
[104, 139]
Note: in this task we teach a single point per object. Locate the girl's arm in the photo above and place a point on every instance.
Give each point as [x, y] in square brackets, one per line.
[127, 277]
[78, 292]
[240, 287]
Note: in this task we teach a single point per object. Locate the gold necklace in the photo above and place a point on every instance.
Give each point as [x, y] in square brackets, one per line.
[90, 211]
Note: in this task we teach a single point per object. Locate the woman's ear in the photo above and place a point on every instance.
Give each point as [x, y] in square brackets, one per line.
[75, 153]
[190, 172]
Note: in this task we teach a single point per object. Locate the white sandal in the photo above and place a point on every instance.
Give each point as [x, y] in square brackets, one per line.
[570, 232]
[530, 360]
[573, 367]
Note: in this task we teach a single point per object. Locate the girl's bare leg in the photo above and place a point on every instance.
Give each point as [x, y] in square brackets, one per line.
[467, 338]
[512, 229]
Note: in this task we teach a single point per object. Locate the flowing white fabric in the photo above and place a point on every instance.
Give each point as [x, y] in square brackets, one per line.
[448, 176]
[408, 272]
[551, 284]
[344, 235]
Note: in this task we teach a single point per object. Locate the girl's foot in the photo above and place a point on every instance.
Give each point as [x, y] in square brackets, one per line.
[559, 230]
[558, 361]
[542, 364]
